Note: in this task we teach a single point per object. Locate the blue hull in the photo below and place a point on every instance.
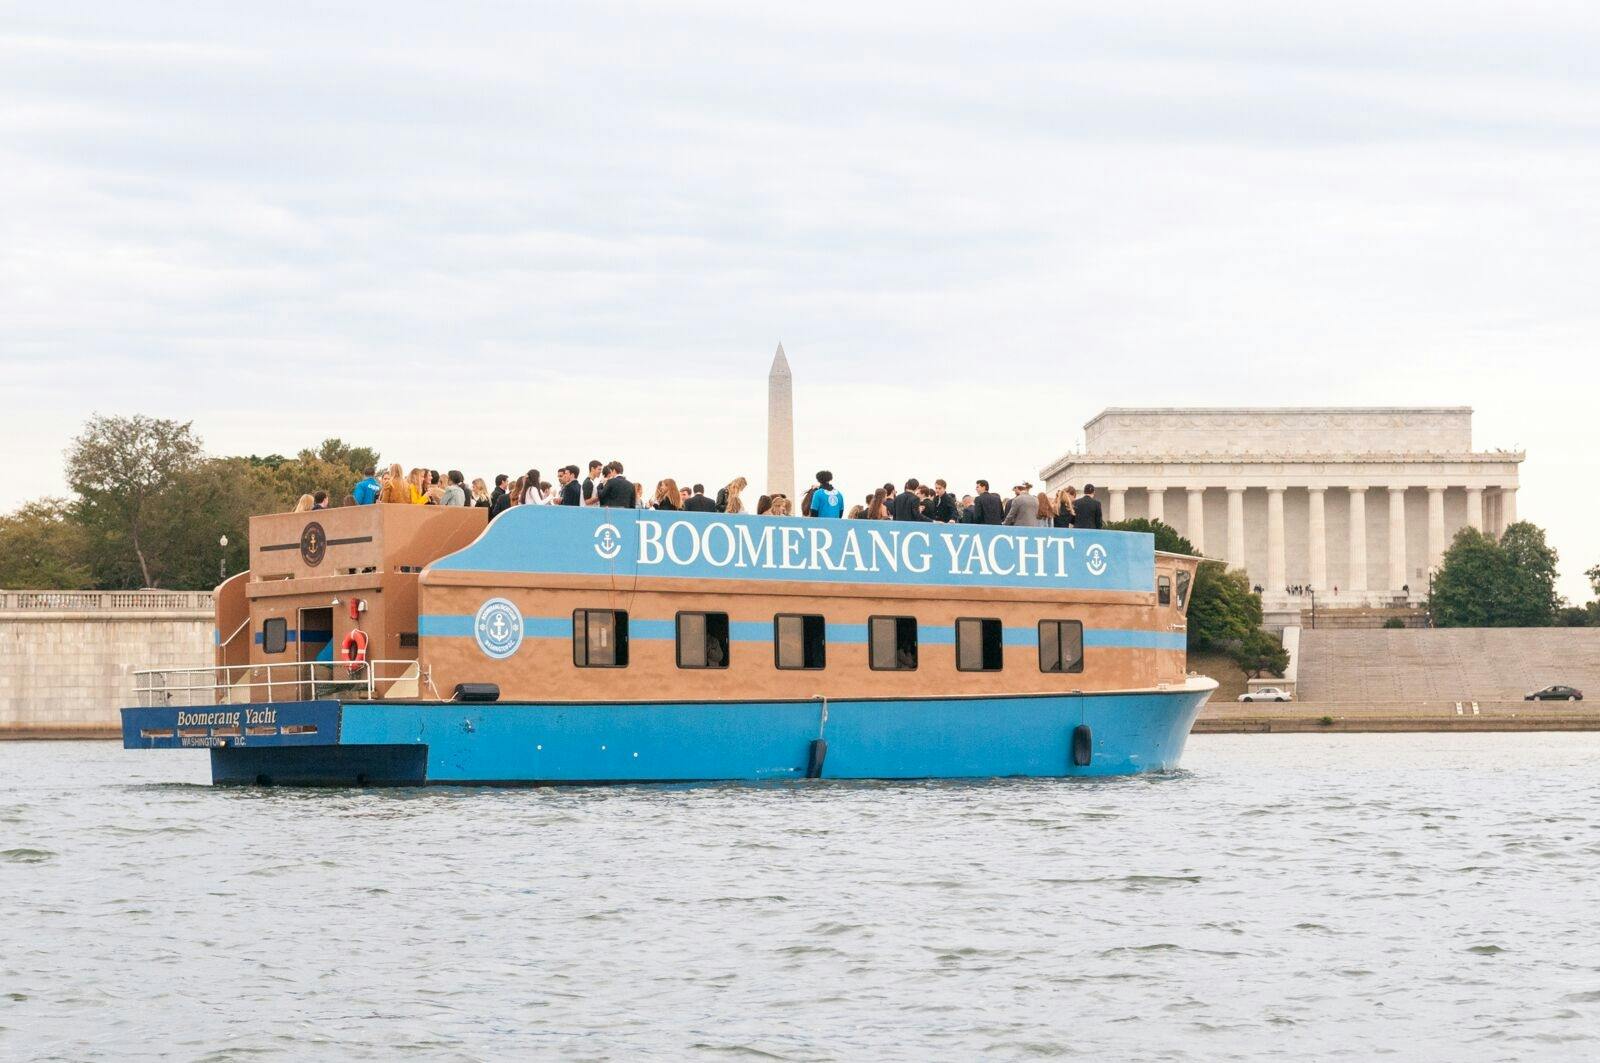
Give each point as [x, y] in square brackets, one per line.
[514, 743]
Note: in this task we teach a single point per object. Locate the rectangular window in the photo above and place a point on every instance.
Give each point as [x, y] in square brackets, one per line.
[274, 635]
[800, 642]
[978, 646]
[1183, 589]
[702, 640]
[892, 643]
[1060, 645]
[599, 638]
[408, 640]
[1163, 590]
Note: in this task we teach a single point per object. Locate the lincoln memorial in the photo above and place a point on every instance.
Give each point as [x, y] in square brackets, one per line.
[1357, 503]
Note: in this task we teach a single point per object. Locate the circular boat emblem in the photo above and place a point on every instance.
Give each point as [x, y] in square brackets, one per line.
[607, 542]
[498, 628]
[313, 544]
[1094, 559]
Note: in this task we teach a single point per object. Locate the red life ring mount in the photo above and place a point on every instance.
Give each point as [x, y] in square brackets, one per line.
[355, 650]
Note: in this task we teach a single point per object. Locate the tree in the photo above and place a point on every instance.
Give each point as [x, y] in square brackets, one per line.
[1594, 579]
[1167, 537]
[119, 467]
[1259, 652]
[1484, 583]
[43, 548]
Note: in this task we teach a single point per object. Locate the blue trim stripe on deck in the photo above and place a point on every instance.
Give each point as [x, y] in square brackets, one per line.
[560, 627]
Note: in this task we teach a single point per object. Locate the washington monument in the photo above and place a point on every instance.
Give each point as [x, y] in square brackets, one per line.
[780, 428]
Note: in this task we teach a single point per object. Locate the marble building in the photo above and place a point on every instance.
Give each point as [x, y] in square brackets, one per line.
[1358, 503]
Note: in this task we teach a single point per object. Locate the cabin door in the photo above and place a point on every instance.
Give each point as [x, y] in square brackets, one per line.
[316, 652]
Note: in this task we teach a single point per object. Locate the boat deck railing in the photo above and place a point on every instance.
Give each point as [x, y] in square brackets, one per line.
[237, 684]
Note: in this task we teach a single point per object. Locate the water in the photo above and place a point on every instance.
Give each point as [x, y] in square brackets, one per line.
[1327, 896]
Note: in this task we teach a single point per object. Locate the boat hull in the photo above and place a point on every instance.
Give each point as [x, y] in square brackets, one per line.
[555, 743]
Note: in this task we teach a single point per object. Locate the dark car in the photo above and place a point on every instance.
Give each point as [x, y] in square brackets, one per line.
[1556, 693]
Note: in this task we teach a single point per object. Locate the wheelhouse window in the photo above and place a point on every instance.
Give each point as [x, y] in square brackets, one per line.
[892, 643]
[1183, 589]
[1060, 645]
[1164, 590]
[274, 635]
[978, 645]
[702, 640]
[600, 638]
[800, 642]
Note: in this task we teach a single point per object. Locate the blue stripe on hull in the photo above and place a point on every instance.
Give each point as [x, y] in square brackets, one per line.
[677, 742]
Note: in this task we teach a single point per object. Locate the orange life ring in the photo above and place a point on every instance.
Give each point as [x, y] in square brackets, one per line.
[355, 650]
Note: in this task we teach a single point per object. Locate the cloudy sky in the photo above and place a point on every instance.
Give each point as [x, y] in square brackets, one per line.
[494, 235]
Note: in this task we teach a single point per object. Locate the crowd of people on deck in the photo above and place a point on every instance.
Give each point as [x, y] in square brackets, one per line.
[606, 485]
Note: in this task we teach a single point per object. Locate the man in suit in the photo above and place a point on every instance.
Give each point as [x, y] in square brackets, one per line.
[616, 491]
[571, 491]
[986, 507]
[1023, 512]
[969, 511]
[591, 485]
[698, 502]
[943, 509]
[1088, 510]
[907, 504]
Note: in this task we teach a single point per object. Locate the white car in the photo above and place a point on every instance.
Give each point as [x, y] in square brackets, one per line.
[1266, 694]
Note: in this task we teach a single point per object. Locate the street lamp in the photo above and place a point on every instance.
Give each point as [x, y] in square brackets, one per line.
[222, 562]
[1313, 592]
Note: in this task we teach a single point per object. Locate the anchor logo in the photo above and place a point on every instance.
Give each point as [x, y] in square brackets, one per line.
[313, 544]
[1094, 559]
[498, 628]
[607, 542]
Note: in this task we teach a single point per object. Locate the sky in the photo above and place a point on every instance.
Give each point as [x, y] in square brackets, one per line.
[490, 236]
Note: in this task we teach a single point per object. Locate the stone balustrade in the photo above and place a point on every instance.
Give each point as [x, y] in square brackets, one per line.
[105, 601]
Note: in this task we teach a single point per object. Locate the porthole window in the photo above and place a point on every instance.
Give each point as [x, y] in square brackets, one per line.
[800, 642]
[978, 645]
[892, 643]
[600, 638]
[702, 640]
[1060, 645]
[274, 635]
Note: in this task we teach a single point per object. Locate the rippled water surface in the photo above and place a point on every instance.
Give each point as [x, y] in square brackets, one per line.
[1327, 896]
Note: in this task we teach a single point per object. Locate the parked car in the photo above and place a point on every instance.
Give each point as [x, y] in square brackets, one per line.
[1556, 693]
[1266, 694]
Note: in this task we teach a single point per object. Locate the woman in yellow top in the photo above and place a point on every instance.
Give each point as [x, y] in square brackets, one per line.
[419, 487]
[394, 489]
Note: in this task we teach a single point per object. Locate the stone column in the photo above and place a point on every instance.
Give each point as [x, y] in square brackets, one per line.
[1236, 527]
[1119, 504]
[1317, 538]
[1276, 563]
[1358, 539]
[1197, 518]
[1158, 503]
[1508, 508]
[1397, 539]
[1475, 508]
[1435, 527]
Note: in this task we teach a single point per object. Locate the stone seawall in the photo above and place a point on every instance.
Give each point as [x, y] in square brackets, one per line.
[67, 658]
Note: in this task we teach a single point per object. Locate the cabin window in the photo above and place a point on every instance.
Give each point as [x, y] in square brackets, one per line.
[892, 643]
[702, 640]
[800, 642]
[1060, 645]
[274, 635]
[1163, 590]
[1183, 588]
[599, 638]
[408, 640]
[978, 645]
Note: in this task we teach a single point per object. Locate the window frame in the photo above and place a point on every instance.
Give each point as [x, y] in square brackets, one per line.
[777, 660]
[283, 634]
[1163, 589]
[1001, 646]
[916, 643]
[619, 631]
[1078, 669]
[1183, 589]
[727, 639]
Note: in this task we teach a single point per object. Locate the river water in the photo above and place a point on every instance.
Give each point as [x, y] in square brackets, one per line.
[1317, 896]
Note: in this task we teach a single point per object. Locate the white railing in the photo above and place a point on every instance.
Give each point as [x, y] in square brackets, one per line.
[235, 684]
[106, 601]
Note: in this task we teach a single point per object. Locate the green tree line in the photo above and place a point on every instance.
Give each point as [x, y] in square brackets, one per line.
[1506, 582]
[148, 508]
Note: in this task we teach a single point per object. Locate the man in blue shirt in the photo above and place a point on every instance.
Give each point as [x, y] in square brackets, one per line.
[826, 499]
[365, 491]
